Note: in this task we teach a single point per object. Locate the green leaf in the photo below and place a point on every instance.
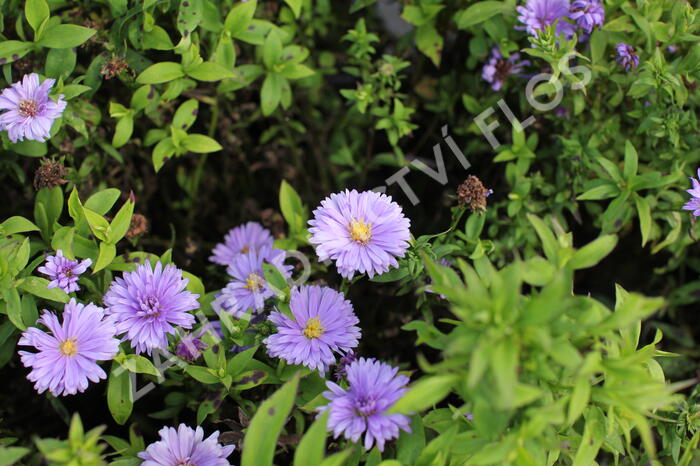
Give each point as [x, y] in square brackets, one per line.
[30, 148]
[98, 224]
[295, 5]
[549, 242]
[275, 279]
[65, 36]
[425, 393]
[119, 394]
[13, 50]
[11, 455]
[162, 152]
[272, 49]
[312, 446]
[122, 221]
[202, 374]
[292, 208]
[108, 252]
[186, 114]
[593, 252]
[209, 72]
[480, 12]
[123, 131]
[14, 308]
[579, 399]
[296, 71]
[430, 42]
[271, 93]
[631, 161]
[201, 144]
[161, 73]
[102, 201]
[644, 213]
[36, 12]
[261, 438]
[16, 224]
[137, 364]
[39, 287]
[240, 17]
[504, 364]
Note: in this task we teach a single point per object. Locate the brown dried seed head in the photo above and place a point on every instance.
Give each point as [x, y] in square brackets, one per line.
[473, 193]
[113, 67]
[49, 174]
[138, 226]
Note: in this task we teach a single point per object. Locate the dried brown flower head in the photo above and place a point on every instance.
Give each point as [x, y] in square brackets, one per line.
[138, 226]
[473, 193]
[113, 67]
[49, 174]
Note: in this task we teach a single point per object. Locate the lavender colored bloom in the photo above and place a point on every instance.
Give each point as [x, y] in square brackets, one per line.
[147, 303]
[323, 322]
[588, 14]
[63, 272]
[497, 69]
[249, 289]
[626, 56]
[341, 371]
[190, 346]
[373, 388]
[363, 232]
[186, 447]
[30, 112]
[240, 240]
[694, 202]
[67, 357]
[538, 14]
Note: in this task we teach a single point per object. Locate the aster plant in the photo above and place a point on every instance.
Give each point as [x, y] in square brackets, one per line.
[149, 303]
[373, 388]
[29, 111]
[241, 240]
[248, 288]
[322, 323]
[67, 358]
[588, 14]
[362, 232]
[64, 273]
[186, 446]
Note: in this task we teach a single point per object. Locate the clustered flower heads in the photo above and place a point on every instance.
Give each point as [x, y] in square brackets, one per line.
[362, 232]
[29, 111]
[322, 323]
[538, 14]
[248, 288]
[241, 240]
[374, 387]
[63, 272]
[626, 57]
[67, 357]
[497, 69]
[186, 447]
[148, 303]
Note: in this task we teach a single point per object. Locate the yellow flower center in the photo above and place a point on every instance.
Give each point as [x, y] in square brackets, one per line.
[254, 282]
[361, 231]
[68, 347]
[245, 249]
[313, 328]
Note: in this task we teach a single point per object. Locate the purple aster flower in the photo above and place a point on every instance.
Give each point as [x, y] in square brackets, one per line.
[190, 346]
[538, 14]
[363, 232]
[373, 388]
[341, 371]
[240, 240]
[694, 202]
[63, 272]
[587, 14]
[186, 447]
[626, 57]
[147, 303]
[67, 357]
[497, 69]
[249, 289]
[323, 322]
[30, 112]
